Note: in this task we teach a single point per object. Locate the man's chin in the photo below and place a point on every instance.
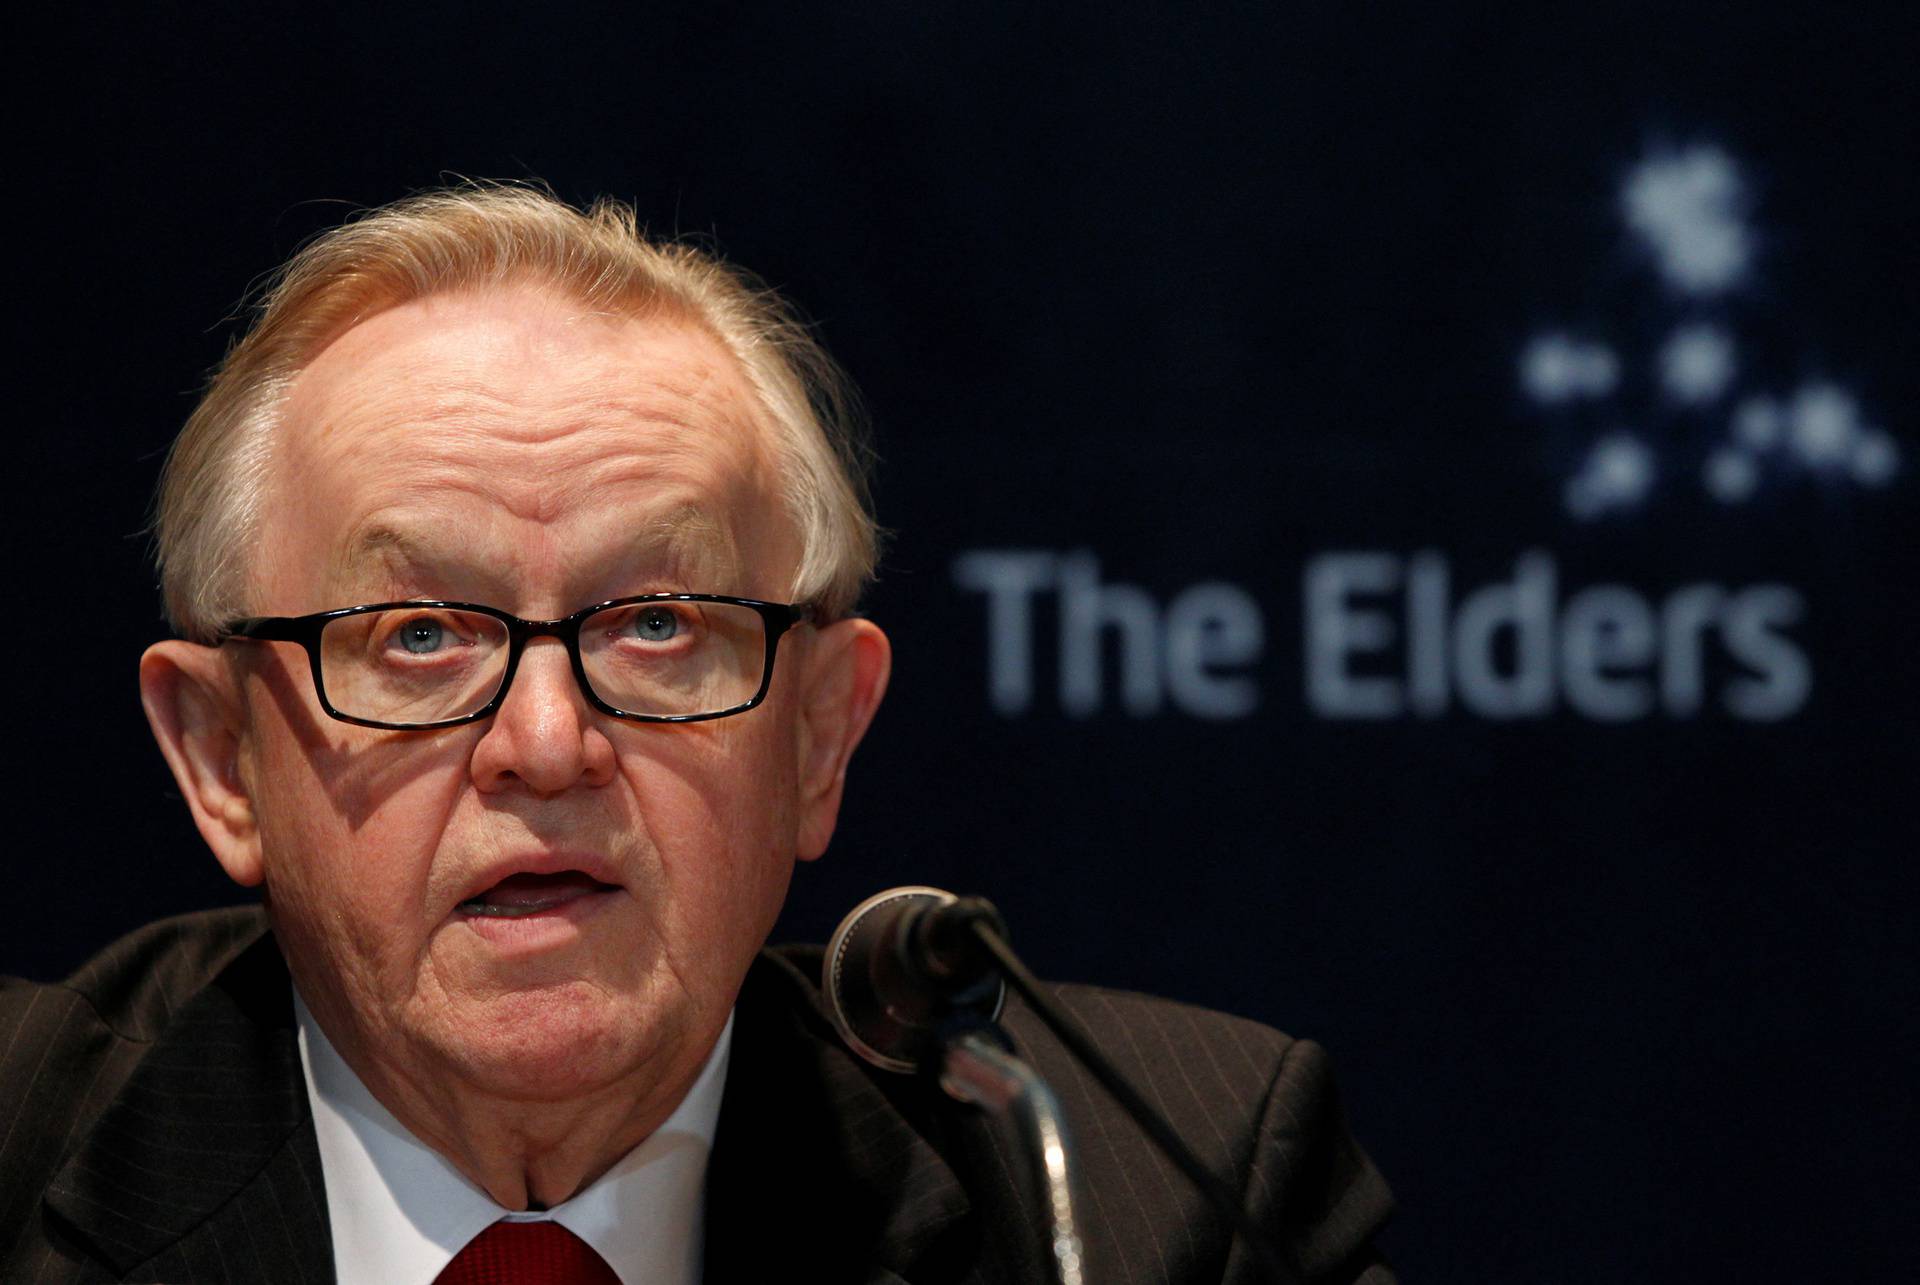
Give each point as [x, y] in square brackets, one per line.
[555, 1044]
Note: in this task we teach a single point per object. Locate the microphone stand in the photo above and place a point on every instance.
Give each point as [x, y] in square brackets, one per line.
[977, 1070]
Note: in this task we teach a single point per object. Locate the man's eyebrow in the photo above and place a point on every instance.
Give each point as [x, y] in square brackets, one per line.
[688, 524]
[689, 540]
[385, 547]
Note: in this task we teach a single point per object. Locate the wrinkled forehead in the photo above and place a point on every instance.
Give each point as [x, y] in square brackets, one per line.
[509, 442]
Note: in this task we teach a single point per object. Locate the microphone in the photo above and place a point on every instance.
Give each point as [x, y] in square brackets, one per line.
[902, 965]
[912, 977]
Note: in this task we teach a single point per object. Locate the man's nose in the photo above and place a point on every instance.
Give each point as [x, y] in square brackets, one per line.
[545, 737]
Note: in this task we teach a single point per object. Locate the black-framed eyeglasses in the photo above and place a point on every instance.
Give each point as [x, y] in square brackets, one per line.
[655, 658]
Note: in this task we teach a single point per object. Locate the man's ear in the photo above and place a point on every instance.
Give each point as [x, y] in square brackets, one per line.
[195, 707]
[846, 675]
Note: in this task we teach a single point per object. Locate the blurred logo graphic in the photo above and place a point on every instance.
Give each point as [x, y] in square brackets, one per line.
[1680, 395]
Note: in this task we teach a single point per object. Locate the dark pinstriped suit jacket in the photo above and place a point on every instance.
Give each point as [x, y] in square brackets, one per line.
[154, 1126]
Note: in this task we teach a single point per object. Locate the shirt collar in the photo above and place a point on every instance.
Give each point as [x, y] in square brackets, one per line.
[399, 1211]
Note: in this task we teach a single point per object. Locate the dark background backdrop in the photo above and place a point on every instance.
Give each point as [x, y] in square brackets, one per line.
[1206, 295]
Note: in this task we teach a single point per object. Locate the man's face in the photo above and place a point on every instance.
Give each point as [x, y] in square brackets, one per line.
[503, 447]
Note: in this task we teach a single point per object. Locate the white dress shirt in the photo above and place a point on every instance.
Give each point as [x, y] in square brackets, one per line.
[400, 1212]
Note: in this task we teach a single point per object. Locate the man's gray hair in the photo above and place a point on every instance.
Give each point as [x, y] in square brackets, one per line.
[208, 515]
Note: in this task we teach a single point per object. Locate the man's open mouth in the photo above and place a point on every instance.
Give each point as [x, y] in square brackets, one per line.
[520, 895]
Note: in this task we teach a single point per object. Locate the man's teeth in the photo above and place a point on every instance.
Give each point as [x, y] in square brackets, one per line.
[478, 907]
[520, 895]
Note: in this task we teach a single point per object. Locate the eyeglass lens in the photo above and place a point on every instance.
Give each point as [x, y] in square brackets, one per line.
[429, 664]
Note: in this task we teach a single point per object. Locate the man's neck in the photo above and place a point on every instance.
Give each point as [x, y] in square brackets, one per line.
[527, 1154]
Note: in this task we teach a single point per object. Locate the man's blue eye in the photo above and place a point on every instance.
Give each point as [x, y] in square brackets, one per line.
[655, 624]
[421, 636]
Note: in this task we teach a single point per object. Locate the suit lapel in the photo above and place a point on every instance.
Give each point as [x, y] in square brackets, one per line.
[821, 1170]
[206, 1164]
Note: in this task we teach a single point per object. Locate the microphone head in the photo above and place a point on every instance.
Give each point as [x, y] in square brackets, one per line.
[887, 1010]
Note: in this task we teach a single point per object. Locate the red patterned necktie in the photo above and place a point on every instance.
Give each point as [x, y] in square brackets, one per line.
[543, 1253]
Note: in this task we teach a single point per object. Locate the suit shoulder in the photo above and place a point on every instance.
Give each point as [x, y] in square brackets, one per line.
[67, 1048]
[1200, 1023]
[133, 987]
[1256, 1105]
[1159, 1034]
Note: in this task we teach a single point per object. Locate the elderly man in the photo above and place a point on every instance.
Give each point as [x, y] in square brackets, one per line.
[513, 557]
